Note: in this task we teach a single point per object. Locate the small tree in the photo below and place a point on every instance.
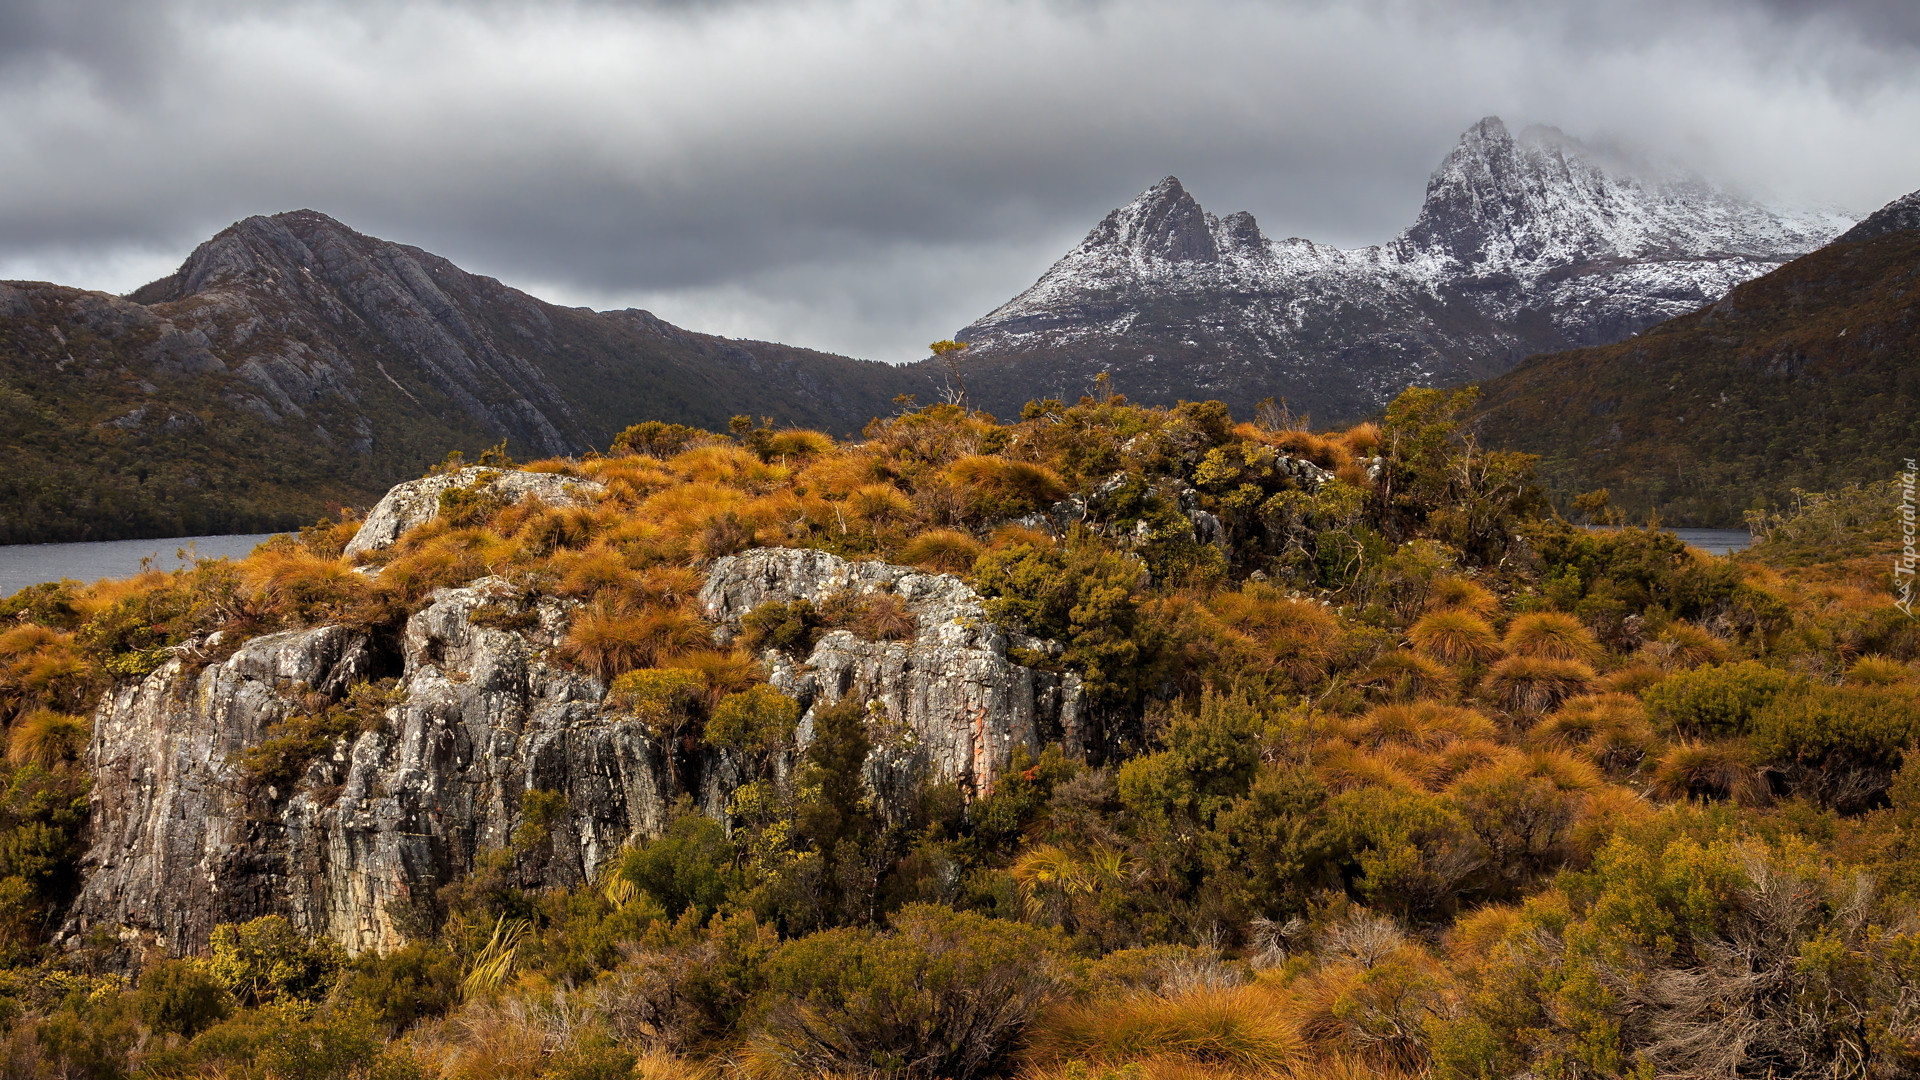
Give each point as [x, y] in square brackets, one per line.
[950, 353]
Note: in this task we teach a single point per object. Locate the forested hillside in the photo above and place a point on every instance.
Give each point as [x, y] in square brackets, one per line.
[1803, 379]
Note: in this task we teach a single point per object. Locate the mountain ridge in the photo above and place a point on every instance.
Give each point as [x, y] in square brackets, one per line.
[292, 364]
[1523, 244]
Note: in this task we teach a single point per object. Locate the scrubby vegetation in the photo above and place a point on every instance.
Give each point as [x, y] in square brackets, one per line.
[1395, 775]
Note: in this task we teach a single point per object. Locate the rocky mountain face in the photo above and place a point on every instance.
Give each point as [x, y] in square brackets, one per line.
[1525, 244]
[185, 837]
[1803, 378]
[292, 363]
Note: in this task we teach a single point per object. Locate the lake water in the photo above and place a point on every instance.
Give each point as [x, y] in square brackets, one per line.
[22, 565]
[1716, 541]
[1711, 541]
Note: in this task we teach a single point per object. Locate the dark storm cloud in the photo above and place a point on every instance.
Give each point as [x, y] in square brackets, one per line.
[868, 176]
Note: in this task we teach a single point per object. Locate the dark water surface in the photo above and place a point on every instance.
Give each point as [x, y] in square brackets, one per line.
[1716, 541]
[22, 565]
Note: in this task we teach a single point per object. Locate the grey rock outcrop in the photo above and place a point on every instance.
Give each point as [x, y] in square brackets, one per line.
[185, 841]
[962, 703]
[185, 838]
[418, 501]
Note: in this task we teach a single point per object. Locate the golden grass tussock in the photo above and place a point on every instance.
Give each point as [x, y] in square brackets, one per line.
[842, 472]
[23, 641]
[1455, 637]
[591, 571]
[1242, 1031]
[1711, 772]
[1606, 811]
[797, 444]
[46, 738]
[1424, 725]
[1451, 592]
[1351, 768]
[1552, 635]
[1530, 686]
[943, 551]
[879, 505]
[733, 466]
[1007, 536]
[986, 486]
[685, 510]
[1682, 645]
[607, 639]
[1363, 440]
[1877, 671]
[1328, 452]
[1299, 637]
[1476, 934]
[1580, 720]
[1631, 679]
[1463, 757]
[1402, 675]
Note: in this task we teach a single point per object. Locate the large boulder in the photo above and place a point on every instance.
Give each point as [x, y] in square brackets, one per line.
[962, 705]
[185, 839]
[417, 502]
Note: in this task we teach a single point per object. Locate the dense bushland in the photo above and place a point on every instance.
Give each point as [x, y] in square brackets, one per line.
[1396, 775]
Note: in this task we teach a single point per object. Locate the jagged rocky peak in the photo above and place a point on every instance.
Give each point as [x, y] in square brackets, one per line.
[1163, 223]
[1543, 198]
[1901, 213]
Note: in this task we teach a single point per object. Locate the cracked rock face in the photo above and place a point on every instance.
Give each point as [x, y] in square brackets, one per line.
[961, 705]
[417, 502]
[184, 842]
[184, 839]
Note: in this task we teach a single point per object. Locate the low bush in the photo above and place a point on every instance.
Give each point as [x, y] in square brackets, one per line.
[1719, 700]
[941, 993]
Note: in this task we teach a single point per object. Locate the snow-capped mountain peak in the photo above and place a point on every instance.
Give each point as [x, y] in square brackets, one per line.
[1523, 244]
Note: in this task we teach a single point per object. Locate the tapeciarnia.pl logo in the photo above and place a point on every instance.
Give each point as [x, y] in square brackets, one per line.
[1903, 567]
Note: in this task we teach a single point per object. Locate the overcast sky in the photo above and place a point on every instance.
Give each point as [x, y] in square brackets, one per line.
[867, 176]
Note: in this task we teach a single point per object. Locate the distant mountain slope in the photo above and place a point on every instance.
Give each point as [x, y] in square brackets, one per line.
[292, 363]
[1808, 377]
[1524, 244]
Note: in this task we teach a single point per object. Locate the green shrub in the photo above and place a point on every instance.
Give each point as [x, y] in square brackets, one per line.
[268, 962]
[281, 759]
[1408, 852]
[692, 991]
[942, 994]
[657, 439]
[788, 627]
[690, 867]
[664, 700]
[757, 723]
[181, 997]
[1839, 745]
[274, 1044]
[412, 983]
[1718, 700]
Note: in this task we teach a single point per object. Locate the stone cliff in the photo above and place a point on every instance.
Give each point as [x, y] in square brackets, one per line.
[186, 838]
